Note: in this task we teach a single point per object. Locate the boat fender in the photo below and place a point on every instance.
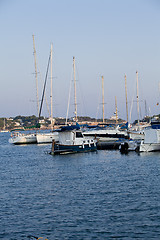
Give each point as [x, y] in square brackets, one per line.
[124, 147]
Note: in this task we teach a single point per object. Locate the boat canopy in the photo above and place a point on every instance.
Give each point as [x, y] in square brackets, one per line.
[70, 128]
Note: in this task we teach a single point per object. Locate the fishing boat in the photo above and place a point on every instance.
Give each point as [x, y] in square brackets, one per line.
[20, 138]
[72, 140]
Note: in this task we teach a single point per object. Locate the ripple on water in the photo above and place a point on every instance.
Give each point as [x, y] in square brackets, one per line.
[103, 195]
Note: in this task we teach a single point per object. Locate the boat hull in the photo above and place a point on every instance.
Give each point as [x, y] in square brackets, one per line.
[149, 147]
[107, 135]
[23, 139]
[47, 137]
[66, 149]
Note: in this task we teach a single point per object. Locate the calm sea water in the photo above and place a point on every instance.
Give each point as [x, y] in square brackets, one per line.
[103, 195]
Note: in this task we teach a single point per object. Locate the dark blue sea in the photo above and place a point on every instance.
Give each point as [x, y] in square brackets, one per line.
[98, 195]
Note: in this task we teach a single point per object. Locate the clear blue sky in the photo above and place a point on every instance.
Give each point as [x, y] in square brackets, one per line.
[107, 37]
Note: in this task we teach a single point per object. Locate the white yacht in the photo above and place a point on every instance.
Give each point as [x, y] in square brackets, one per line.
[21, 138]
[107, 134]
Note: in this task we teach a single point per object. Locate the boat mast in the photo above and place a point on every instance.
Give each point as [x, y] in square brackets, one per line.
[103, 97]
[35, 63]
[126, 97]
[116, 110]
[51, 91]
[137, 98]
[75, 100]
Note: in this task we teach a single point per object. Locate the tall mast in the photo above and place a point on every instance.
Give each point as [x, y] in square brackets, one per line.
[137, 99]
[103, 97]
[35, 63]
[116, 110]
[126, 97]
[75, 100]
[51, 92]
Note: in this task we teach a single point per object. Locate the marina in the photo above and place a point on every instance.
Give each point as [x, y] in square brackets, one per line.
[80, 120]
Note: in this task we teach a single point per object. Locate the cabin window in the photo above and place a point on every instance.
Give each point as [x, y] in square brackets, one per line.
[79, 135]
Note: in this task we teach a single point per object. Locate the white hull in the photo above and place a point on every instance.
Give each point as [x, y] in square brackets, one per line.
[106, 135]
[23, 139]
[136, 135]
[149, 147]
[47, 137]
[151, 142]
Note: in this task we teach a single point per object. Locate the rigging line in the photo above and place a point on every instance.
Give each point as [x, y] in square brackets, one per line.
[44, 86]
[45, 93]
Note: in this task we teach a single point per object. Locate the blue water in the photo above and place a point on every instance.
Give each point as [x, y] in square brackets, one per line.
[103, 195]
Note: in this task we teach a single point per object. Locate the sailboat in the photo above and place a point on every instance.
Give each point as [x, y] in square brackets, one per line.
[108, 137]
[138, 134]
[53, 135]
[18, 137]
[135, 136]
[71, 138]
